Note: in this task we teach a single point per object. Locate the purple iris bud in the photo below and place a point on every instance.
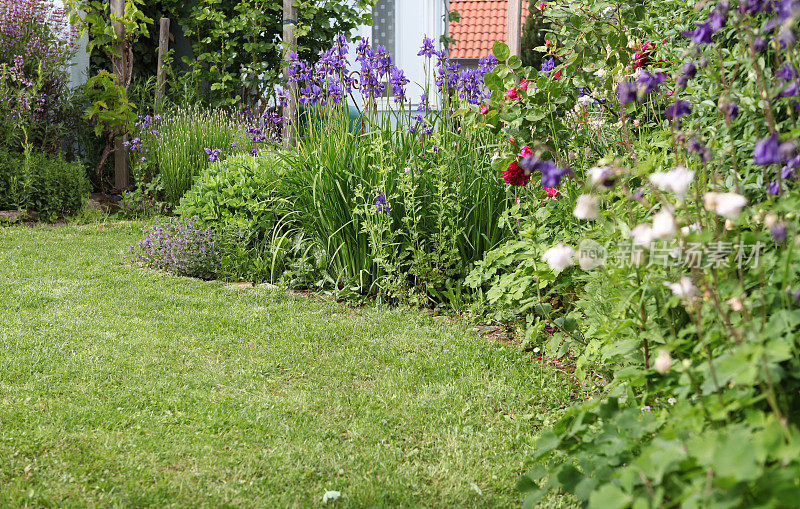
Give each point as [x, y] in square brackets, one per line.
[767, 151]
[678, 109]
[627, 92]
[730, 110]
[779, 232]
[701, 34]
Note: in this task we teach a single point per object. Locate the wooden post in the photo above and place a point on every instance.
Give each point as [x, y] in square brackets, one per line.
[163, 48]
[122, 175]
[514, 26]
[290, 111]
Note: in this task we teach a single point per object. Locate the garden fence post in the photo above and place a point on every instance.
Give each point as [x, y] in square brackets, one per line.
[163, 47]
[290, 111]
[514, 26]
[121, 170]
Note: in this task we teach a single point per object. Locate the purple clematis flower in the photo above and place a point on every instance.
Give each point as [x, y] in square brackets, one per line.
[678, 109]
[701, 34]
[767, 151]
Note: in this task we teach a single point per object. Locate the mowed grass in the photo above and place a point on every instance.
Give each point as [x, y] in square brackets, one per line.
[127, 387]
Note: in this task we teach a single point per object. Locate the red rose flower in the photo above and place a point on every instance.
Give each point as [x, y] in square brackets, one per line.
[557, 75]
[524, 85]
[551, 192]
[542, 6]
[525, 151]
[512, 94]
[515, 175]
[484, 110]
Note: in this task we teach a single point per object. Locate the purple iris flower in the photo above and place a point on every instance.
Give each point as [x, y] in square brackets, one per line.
[551, 173]
[381, 206]
[427, 49]
[701, 34]
[767, 151]
[786, 38]
[774, 188]
[678, 110]
[213, 155]
[760, 44]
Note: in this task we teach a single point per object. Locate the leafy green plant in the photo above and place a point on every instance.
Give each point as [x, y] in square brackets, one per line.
[42, 183]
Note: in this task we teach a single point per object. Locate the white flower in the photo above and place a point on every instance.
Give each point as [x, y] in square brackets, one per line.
[642, 235]
[684, 289]
[559, 257]
[330, 495]
[686, 230]
[663, 362]
[771, 220]
[736, 304]
[676, 180]
[664, 227]
[585, 100]
[672, 401]
[599, 174]
[646, 408]
[586, 207]
[728, 205]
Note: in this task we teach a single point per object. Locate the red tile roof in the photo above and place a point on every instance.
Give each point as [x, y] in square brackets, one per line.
[482, 23]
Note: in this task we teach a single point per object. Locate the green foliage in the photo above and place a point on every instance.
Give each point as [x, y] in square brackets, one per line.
[176, 147]
[237, 49]
[442, 205]
[696, 358]
[534, 36]
[110, 110]
[42, 183]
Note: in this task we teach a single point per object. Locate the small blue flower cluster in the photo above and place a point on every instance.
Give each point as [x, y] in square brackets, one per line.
[181, 247]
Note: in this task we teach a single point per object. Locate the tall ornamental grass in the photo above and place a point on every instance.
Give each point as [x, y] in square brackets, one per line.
[181, 144]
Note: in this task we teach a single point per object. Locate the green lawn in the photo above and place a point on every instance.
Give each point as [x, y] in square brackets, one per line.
[126, 387]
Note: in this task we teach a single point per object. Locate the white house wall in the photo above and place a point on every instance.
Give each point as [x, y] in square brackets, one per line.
[79, 66]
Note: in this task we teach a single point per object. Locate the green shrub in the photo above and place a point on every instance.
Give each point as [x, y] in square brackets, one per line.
[46, 184]
[245, 199]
